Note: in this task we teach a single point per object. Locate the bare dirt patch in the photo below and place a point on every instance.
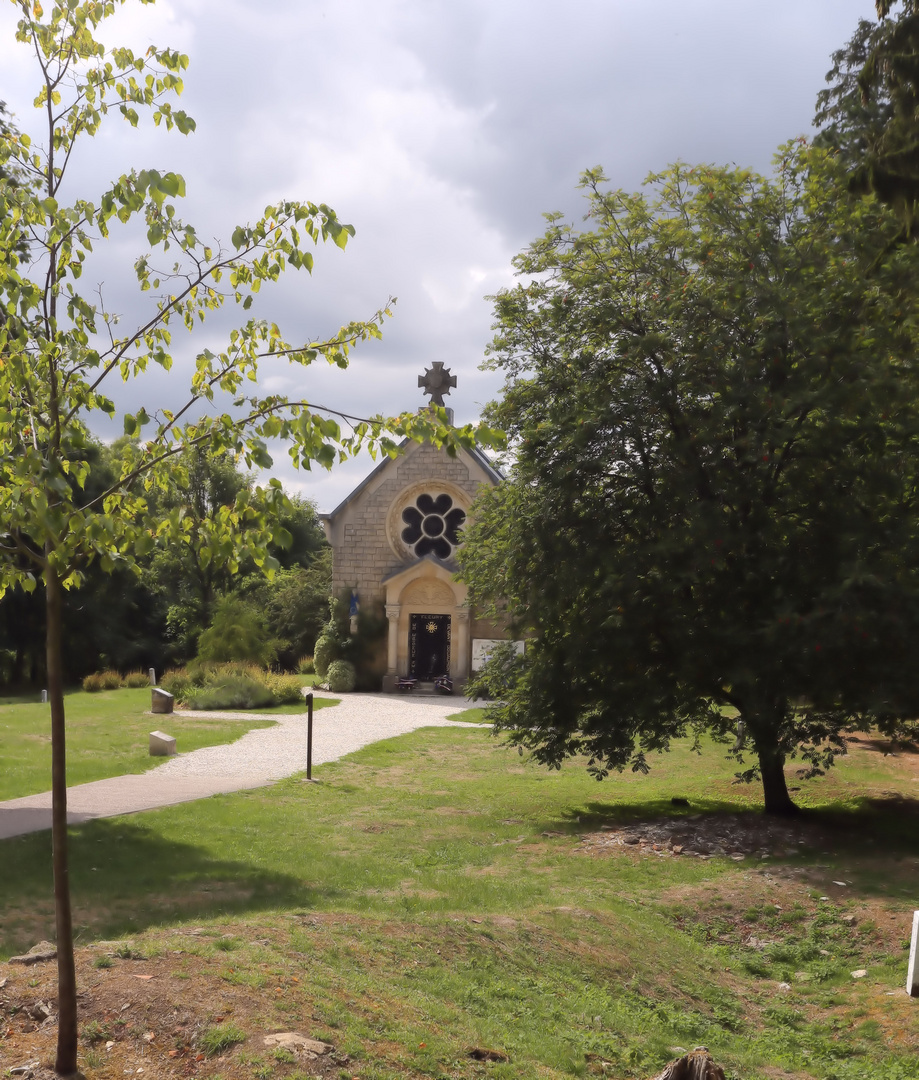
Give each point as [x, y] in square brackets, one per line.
[151, 1017]
[705, 835]
[744, 834]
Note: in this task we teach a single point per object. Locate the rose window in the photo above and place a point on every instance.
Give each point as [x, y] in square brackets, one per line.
[432, 526]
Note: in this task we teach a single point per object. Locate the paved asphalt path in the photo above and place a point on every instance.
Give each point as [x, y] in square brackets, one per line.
[258, 758]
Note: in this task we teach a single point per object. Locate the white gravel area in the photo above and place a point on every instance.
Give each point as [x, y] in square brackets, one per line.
[256, 759]
[280, 750]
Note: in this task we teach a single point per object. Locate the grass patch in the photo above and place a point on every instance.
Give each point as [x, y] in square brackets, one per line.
[221, 1037]
[319, 702]
[107, 735]
[434, 893]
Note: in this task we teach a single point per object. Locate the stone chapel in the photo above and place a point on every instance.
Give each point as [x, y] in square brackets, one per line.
[394, 540]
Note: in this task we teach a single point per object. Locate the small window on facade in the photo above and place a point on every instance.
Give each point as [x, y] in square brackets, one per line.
[432, 526]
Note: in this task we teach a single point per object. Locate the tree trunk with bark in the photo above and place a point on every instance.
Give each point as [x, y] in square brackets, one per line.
[696, 1065]
[764, 715]
[775, 789]
[66, 1062]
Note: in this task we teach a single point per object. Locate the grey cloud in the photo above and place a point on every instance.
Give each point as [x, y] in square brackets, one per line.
[442, 129]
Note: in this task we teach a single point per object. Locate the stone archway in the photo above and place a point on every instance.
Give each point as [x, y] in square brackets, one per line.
[426, 589]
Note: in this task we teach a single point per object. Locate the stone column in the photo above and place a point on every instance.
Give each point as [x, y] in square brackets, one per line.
[462, 644]
[392, 649]
[392, 655]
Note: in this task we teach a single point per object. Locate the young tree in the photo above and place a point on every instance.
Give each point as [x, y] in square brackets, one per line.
[60, 349]
[713, 507]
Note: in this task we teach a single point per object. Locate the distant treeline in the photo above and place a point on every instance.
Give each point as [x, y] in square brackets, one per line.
[153, 618]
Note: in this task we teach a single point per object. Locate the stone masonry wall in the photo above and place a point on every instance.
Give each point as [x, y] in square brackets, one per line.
[364, 557]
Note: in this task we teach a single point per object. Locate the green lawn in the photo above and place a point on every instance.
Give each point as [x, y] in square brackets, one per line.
[433, 892]
[107, 735]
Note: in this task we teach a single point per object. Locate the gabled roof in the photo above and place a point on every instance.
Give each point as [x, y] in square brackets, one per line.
[478, 456]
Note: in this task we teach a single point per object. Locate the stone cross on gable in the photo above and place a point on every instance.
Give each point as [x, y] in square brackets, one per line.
[437, 381]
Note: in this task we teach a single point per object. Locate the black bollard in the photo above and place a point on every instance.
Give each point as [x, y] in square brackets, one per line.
[309, 735]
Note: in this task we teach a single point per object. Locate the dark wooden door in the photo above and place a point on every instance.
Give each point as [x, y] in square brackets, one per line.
[429, 646]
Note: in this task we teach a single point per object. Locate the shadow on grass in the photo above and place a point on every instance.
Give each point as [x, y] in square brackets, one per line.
[861, 827]
[886, 825]
[125, 876]
[594, 815]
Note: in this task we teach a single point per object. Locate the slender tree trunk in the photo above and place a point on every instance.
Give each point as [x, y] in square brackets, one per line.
[775, 790]
[764, 714]
[66, 1061]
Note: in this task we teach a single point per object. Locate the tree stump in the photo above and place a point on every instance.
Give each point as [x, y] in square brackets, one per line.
[696, 1065]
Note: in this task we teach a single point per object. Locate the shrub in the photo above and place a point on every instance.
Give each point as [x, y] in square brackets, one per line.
[341, 676]
[136, 680]
[325, 652]
[234, 692]
[92, 684]
[286, 689]
[231, 686]
[237, 632]
[305, 665]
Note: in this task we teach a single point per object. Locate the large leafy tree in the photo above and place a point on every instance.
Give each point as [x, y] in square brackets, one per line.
[712, 510]
[869, 111]
[296, 604]
[186, 579]
[61, 349]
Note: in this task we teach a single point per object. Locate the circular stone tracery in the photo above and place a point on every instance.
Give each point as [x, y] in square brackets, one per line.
[432, 526]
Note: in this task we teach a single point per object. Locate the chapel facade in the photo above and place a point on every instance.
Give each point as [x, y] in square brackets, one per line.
[394, 540]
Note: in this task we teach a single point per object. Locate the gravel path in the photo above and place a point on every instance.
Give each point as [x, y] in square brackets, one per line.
[278, 751]
[258, 758]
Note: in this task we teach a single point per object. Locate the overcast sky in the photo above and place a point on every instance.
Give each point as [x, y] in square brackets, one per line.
[442, 130]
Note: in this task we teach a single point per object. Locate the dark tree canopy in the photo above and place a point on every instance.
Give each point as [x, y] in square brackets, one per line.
[152, 614]
[869, 111]
[713, 509]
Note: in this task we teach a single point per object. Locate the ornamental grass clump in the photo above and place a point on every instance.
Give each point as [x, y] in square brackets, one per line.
[136, 680]
[178, 681]
[230, 686]
[234, 692]
[102, 680]
[287, 689]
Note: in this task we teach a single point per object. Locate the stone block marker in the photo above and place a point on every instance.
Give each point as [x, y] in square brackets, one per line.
[912, 974]
[161, 744]
[162, 700]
